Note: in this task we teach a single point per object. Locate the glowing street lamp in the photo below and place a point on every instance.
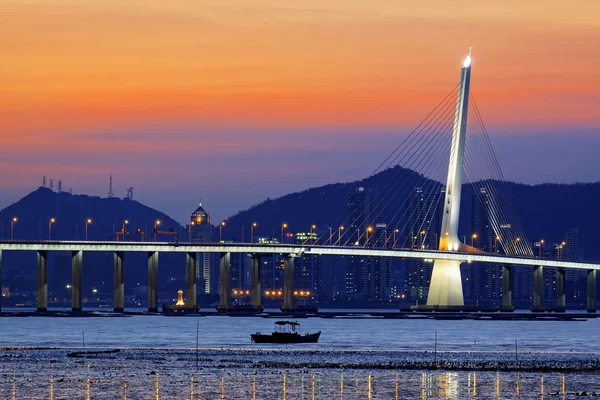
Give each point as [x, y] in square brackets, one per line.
[190, 230]
[473, 237]
[283, 226]
[340, 229]
[254, 224]
[395, 232]
[87, 222]
[12, 225]
[94, 290]
[541, 244]
[221, 225]
[155, 229]
[124, 223]
[52, 220]
[311, 231]
[369, 230]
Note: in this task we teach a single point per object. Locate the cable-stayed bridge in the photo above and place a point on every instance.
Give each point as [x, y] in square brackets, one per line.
[424, 224]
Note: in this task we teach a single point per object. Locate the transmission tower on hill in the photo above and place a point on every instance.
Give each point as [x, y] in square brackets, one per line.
[110, 191]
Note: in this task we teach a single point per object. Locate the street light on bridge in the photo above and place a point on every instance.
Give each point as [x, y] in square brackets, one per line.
[221, 225]
[190, 230]
[12, 225]
[340, 229]
[87, 222]
[395, 232]
[283, 226]
[155, 230]
[473, 237]
[254, 225]
[52, 220]
[311, 231]
[369, 230]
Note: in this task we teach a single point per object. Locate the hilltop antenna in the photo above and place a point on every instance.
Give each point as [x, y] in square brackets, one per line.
[60, 185]
[44, 181]
[110, 191]
[130, 193]
[52, 184]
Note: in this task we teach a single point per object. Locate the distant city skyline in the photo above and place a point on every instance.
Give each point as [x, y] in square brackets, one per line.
[236, 104]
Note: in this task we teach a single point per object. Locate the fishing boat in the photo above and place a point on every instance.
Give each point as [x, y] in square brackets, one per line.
[286, 332]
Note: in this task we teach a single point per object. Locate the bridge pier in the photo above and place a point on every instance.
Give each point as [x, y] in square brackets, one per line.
[190, 275]
[255, 280]
[224, 280]
[0, 279]
[119, 282]
[561, 304]
[506, 289]
[288, 283]
[76, 273]
[42, 280]
[591, 290]
[538, 277]
[153, 281]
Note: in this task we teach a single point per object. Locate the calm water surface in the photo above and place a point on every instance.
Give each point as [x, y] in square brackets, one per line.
[337, 333]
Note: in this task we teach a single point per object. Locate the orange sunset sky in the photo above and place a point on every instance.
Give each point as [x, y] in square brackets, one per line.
[235, 101]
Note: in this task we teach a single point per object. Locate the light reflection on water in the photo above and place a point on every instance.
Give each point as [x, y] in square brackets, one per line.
[288, 385]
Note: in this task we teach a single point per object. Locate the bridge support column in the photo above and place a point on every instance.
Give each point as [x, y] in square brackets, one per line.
[190, 275]
[152, 281]
[591, 291]
[445, 288]
[288, 283]
[119, 282]
[0, 279]
[560, 290]
[42, 280]
[255, 280]
[506, 288]
[76, 272]
[538, 277]
[224, 280]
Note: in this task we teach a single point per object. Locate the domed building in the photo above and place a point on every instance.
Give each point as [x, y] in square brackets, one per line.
[201, 230]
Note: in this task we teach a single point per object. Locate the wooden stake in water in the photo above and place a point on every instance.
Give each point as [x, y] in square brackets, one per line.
[83, 338]
[435, 349]
[517, 352]
[197, 330]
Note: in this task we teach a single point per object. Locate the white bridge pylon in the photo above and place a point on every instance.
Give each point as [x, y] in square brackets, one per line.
[445, 288]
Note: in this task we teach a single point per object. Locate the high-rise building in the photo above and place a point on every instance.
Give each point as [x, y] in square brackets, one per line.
[201, 230]
[367, 277]
[485, 282]
[575, 284]
[423, 215]
[308, 269]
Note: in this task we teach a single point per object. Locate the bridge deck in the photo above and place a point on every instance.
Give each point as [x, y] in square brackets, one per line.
[195, 247]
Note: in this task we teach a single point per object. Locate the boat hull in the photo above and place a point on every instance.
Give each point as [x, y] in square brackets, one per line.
[279, 337]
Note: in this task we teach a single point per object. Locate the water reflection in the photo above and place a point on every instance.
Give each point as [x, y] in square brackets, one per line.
[243, 383]
[51, 382]
[88, 391]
